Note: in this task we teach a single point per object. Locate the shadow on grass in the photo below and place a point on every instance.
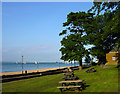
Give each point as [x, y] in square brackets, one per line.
[84, 87]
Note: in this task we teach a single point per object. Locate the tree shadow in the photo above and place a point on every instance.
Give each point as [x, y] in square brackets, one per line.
[85, 86]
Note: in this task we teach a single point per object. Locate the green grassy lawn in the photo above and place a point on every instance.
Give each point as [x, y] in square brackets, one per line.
[104, 80]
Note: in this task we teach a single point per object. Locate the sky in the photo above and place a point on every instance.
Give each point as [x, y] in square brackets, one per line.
[32, 29]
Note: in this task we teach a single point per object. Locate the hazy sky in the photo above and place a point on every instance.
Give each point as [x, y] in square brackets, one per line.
[32, 29]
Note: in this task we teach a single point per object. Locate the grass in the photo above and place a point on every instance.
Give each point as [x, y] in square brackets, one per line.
[104, 80]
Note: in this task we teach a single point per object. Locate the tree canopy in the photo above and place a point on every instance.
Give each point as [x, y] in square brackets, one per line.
[75, 39]
[92, 27]
[108, 28]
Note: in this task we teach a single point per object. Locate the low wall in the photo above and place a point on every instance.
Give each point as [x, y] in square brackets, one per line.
[8, 78]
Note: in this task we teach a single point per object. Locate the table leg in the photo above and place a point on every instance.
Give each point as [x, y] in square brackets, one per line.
[79, 89]
[60, 89]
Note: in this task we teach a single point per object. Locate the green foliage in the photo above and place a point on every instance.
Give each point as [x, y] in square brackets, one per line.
[73, 43]
[106, 32]
[100, 30]
[111, 13]
[71, 49]
[63, 32]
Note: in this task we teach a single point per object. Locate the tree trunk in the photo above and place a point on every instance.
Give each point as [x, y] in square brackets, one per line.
[80, 65]
[118, 59]
[103, 60]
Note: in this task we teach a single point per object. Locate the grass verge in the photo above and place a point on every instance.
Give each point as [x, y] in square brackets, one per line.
[104, 80]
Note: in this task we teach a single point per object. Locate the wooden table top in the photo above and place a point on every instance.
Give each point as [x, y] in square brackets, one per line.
[71, 81]
[68, 86]
[69, 73]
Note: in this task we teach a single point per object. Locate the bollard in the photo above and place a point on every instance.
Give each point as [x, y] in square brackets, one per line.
[26, 72]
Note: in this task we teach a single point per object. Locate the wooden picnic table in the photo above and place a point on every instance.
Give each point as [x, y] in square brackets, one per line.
[66, 71]
[69, 74]
[70, 78]
[71, 81]
[71, 84]
[91, 70]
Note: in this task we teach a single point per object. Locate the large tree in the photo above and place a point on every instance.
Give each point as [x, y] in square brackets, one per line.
[75, 37]
[102, 40]
[100, 30]
[111, 12]
[106, 28]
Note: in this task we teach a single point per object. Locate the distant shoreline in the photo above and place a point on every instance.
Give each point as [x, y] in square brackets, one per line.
[30, 71]
[17, 67]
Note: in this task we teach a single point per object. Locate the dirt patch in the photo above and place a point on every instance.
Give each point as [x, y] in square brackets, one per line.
[105, 82]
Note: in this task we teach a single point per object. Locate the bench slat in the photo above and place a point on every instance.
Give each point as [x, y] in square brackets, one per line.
[71, 81]
[68, 86]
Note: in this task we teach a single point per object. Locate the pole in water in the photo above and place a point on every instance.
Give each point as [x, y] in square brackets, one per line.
[22, 64]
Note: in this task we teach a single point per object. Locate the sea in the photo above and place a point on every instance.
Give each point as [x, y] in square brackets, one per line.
[14, 67]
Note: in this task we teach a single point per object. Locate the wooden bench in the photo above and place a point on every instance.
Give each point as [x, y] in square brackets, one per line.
[74, 84]
[68, 87]
[71, 81]
[70, 78]
[91, 70]
[68, 70]
[69, 74]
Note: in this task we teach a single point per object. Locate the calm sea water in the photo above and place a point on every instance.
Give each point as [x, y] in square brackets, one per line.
[13, 67]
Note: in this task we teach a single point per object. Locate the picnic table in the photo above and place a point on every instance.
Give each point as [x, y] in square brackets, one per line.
[67, 70]
[70, 76]
[91, 70]
[71, 84]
